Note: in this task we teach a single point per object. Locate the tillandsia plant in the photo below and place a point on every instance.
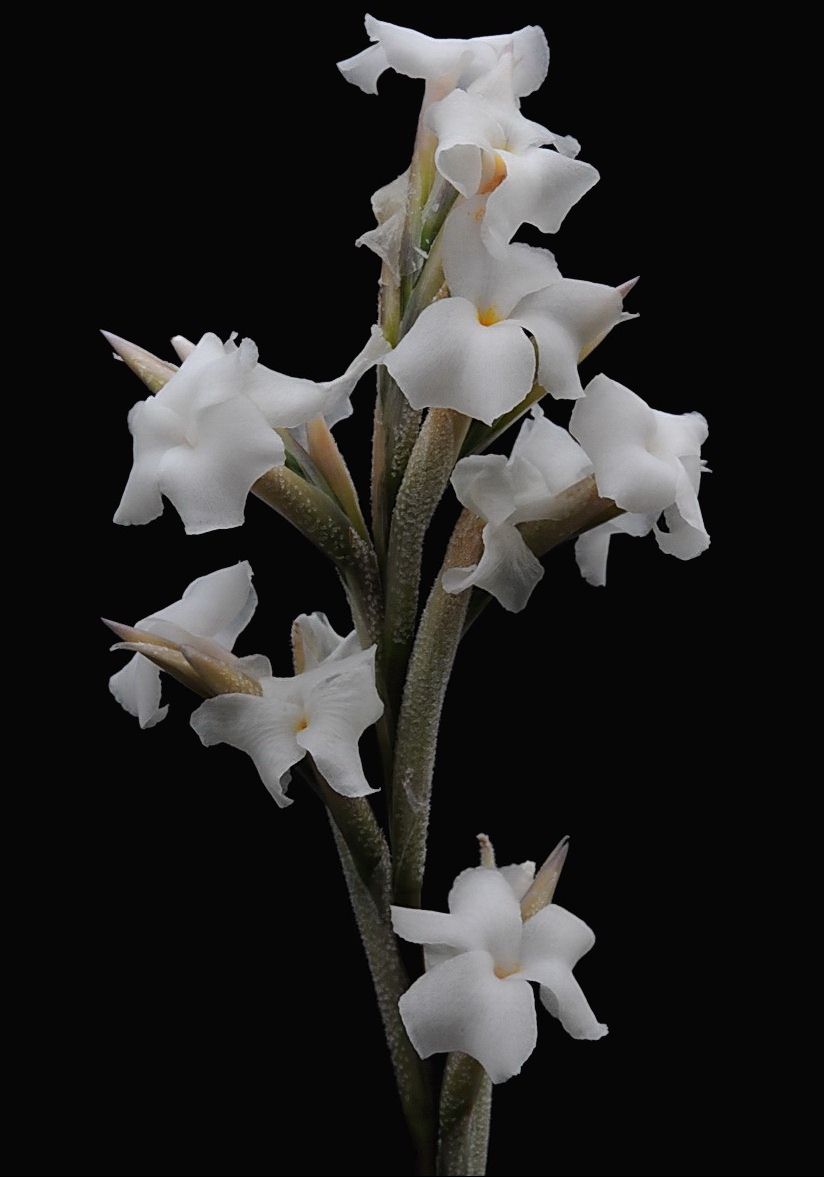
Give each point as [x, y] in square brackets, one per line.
[474, 330]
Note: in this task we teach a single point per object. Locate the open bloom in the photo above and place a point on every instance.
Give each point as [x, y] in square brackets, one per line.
[322, 711]
[446, 62]
[470, 352]
[507, 491]
[485, 145]
[200, 441]
[216, 607]
[475, 995]
[209, 433]
[649, 463]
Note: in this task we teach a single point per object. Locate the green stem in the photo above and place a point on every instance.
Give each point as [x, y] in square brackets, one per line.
[366, 865]
[466, 1105]
[427, 476]
[433, 654]
[395, 432]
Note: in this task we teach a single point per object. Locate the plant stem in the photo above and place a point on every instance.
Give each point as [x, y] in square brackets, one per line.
[366, 865]
[427, 476]
[466, 1105]
[393, 438]
[429, 668]
[320, 519]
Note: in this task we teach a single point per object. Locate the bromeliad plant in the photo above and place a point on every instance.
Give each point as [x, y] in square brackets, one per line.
[474, 330]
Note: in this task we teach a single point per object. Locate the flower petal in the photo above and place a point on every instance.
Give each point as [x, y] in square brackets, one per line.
[483, 484]
[540, 188]
[496, 279]
[450, 360]
[339, 702]
[519, 876]
[208, 482]
[465, 127]
[592, 548]
[419, 926]
[365, 68]
[507, 570]
[320, 642]
[545, 460]
[490, 915]
[154, 428]
[567, 319]
[619, 431]
[262, 726]
[219, 605]
[554, 940]
[137, 689]
[461, 1005]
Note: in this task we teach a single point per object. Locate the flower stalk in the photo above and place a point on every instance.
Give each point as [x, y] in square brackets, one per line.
[430, 665]
[465, 1110]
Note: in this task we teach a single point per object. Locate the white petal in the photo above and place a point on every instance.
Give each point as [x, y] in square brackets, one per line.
[618, 431]
[462, 1005]
[365, 68]
[507, 570]
[592, 548]
[530, 57]
[418, 56]
[289, 401]
[450, 360]
[428, 927]
[482, 901]
[262, 726]
[483, 484]
[519, 876]
[389, 207]
[465, 127]
[494, 280]
[555, 933]
[545, 460]
[154, 428]
[540, 188]
[208, 481]
[321, 643]
[339, 702]
[567, 319]
[554, 941]
[435, 954]
[683, 538]
[137, 689]
[219, 605]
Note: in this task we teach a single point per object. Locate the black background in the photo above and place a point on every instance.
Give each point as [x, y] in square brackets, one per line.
[206, 1005]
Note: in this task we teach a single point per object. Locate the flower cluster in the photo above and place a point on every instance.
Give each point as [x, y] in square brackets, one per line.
[475, 330]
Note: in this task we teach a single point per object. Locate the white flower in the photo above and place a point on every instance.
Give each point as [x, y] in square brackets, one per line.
[507, 491]
[475, 996]
[470, 352]
[207, 436]
[322, 712]
[649, 463]
[200, 441]
[485, 145]
[448, 62]
[213, 610]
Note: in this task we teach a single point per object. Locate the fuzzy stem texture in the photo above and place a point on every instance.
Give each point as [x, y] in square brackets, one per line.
[433, 654]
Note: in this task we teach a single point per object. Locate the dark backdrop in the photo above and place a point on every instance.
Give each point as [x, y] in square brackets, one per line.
[209, 1008]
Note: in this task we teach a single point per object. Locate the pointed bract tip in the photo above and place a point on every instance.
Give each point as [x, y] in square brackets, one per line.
[543, 886]
[487, 851]
[149, 368]
[625, 287]
[221, 678]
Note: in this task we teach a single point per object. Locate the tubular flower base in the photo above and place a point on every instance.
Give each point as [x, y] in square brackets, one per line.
[474, 330]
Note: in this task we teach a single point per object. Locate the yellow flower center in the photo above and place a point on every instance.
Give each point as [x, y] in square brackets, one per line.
[502, 971]
[488, 316]
[301, 724]
[497, 176]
